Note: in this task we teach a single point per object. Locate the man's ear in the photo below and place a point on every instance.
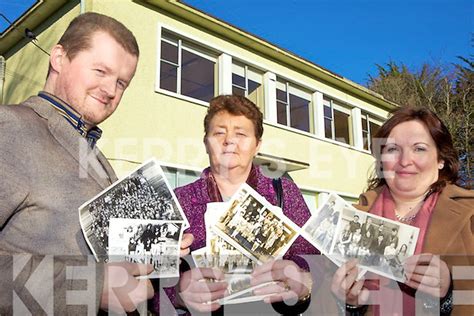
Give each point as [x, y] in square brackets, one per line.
[57, 58]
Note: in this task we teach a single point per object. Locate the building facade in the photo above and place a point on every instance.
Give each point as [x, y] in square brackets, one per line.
[318, 125]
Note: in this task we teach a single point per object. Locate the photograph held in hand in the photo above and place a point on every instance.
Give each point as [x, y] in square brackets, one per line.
[255, 227]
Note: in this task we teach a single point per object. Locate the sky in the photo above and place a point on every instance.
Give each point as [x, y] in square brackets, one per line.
[348, 37]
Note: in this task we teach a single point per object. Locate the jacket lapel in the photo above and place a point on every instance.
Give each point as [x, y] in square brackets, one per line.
[447, 219]
[92, 162]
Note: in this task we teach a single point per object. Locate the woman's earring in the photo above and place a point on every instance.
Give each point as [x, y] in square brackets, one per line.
[441, 166]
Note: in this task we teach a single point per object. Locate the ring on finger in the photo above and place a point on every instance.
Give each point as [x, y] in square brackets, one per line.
[286, 287]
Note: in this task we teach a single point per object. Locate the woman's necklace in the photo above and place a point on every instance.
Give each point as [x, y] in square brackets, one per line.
[405, 219]
[412, 212]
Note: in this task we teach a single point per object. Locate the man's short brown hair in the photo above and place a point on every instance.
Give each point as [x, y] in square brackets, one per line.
[77, 36]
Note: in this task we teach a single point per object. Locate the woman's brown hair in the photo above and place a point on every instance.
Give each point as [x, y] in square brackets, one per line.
[235, 105]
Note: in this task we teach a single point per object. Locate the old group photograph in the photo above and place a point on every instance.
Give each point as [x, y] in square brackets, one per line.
[255, 227]
[321, 227]
[144, 194]
[380, 244]
[152, 242]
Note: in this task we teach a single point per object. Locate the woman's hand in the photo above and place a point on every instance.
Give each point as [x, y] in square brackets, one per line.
[199, 288]
[186, 242]
[345, 286]
[428, 273]
[292, 283]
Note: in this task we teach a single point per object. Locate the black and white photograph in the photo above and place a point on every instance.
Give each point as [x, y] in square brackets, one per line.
[152, 242]
[228, 263]
[381, 245]
[237, 269]
[321, 227]
[144, 194]
[240, 289]
[255, 227]
[216, 245]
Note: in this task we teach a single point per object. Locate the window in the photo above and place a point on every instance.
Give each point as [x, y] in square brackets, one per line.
[337, 122]
[370, 126]
[179, 177]
[293, 106]
[186, 69]
[247, 82]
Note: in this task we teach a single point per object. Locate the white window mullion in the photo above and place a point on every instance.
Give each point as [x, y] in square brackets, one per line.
[356, 117]
[333, 121]
[288, 115]
[178, 71]
[269, 86]
[225, 74]
[318, 114]
[246, 80]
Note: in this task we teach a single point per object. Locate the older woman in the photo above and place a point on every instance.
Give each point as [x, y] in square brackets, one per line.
[414, 183]
[233, 131]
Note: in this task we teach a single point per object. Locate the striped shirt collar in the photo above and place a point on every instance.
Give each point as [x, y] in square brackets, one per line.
[91, 134]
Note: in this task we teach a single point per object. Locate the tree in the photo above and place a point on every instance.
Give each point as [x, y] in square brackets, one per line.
[449, 92]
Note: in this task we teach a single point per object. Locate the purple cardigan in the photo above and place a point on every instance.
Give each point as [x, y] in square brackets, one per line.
[194, 198]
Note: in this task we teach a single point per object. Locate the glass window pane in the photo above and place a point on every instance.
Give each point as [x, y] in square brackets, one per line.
[327, 128]
[281, 113]
[255, 93]
[281, 96]
[366, 140]
[238, 91]
[341, 122]
[168, 78]
[170, 174]
[364, 124]
[169, 52]
[253, 86]
[299, 113]
[327, 111]
[374, 128]
[197, 76]
[238, 80]
[365, 132]
[186, 177]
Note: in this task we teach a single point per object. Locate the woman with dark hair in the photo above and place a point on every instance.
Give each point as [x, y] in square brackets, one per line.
[402, 253]
[414, 183]
[233, 130]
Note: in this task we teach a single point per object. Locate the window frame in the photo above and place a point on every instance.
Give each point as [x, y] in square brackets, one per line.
[288, 87]
[184, 43]
[370, 118]
[345, 109]
[247, 70]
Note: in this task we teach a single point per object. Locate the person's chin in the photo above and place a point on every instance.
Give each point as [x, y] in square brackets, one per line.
[405, 189]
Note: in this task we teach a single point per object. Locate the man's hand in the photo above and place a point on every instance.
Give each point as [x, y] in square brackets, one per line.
[122, 291]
